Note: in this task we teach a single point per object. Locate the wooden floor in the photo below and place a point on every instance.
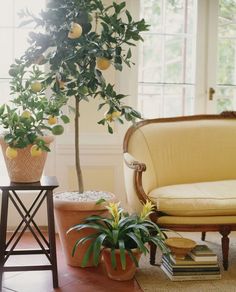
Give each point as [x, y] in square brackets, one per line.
[70, 279]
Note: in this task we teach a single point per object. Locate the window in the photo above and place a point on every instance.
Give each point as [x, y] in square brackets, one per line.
[188, 58]
[167, 68]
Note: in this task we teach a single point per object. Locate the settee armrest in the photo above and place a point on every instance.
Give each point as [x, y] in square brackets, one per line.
[136, 169]
[132, 163]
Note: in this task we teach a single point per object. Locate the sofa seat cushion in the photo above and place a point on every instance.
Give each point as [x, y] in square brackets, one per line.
[216, 198]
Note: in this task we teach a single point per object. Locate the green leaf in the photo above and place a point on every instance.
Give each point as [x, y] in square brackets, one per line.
[100, 201]
[133, 257]
[65, 119]
[129, 17]
[87, 255]
[119, 7]
[97, 248]
[101, 105]
[110, 130]
[137, 240]
[102, 122]
[113, 258]
[129, 54]
[118, 51]
[122, 254]
[2, 108]
[8, 138]
[115, 236]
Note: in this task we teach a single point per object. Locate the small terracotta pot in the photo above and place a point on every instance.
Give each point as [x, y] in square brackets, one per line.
[118, 273]
[25, 168]
[69, 213]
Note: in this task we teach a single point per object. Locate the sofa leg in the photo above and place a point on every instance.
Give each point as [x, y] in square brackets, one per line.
[153, 249]
[203, 236]
[225, 231]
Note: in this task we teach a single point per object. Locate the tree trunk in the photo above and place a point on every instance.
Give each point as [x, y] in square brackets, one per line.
[77, 149]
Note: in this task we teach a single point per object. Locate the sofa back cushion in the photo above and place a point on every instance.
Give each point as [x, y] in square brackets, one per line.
[185, 151]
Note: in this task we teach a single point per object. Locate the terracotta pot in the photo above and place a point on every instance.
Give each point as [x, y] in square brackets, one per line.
[69, 213]
[25, 168]
[118, 273]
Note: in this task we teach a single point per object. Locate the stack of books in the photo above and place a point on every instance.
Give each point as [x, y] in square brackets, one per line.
[200, 264]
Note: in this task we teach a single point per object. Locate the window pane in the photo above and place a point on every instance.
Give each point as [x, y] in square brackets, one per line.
[150, 70]
[21, 36]
[226, 61]
[173, 59]
[6, 56]
[226, 99]
[167, 58]
[6, 13]
[151, 12]
[4, 90]
[166, 100]
[227, 12]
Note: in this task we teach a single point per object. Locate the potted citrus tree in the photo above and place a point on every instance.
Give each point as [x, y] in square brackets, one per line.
[120, 239]
[81, 39]
[29, 124]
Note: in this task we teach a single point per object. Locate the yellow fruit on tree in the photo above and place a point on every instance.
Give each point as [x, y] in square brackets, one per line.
[35, 151]
[52, 120]
[11, 153]
[75, 31]
[113, 116]
[58, 130]
[26, 114]
[36, 86]
[108, 117]
[116, 115]
[103, 63]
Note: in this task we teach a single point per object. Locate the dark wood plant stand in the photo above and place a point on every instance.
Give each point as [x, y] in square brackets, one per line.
[47, 246]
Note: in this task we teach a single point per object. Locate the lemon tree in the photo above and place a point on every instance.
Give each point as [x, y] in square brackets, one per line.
[81, 40]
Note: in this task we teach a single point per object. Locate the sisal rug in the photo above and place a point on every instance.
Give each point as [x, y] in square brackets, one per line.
[153, 279]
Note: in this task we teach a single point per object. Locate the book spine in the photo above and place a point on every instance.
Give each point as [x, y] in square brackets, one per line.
[188, 262]
[197, 265]
[191, 272]
[190, 277]
[203, 258]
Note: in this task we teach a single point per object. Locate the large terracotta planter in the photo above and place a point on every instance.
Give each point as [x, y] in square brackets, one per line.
[118, 273]
[69, 212]
[25, 168]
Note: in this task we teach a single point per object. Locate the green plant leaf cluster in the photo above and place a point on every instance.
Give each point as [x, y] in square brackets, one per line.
[26, 119]
[108, 32]
[119, 231]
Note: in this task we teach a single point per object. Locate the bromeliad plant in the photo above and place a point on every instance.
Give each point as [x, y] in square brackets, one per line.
[120, 231]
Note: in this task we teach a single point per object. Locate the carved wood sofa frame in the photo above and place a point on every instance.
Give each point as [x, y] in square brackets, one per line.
[139, 168]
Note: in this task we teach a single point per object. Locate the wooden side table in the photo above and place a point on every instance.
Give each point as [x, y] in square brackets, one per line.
[47, 246]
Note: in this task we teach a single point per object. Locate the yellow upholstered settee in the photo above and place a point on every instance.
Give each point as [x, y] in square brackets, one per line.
[187, 167]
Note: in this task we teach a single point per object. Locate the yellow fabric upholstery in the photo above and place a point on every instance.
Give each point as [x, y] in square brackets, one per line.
[179, 156]
[216, 198]
[206, 220]
[186, 152]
